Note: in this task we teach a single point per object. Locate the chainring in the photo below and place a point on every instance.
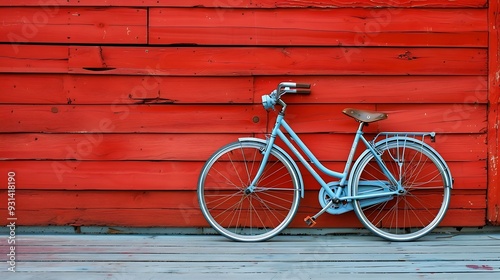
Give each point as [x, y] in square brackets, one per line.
[324, 199]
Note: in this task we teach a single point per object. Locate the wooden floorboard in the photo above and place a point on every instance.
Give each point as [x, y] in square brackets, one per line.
[436, 256]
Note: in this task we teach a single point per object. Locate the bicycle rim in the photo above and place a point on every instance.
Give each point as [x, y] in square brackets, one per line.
[426, 196]
[256, 216]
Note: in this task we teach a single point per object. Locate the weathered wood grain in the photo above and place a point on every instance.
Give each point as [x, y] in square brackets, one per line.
[431, 117]
[196, 147]
[151, 89]
[382, 89]
[116, 90]
[73, 25]
[252, 3]
[102, 147]
[215, 61]
[171, 199]
[493, 114]
[167, 118]
[247, 257]
[212, 61]
[347, 244]
[319, 27]
[436, 256]
[35, 58]
[192, 217]
[180, 209]
[177, 174]
[133, 118]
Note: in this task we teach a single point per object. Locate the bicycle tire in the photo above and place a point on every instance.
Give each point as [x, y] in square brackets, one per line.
[256, 216]
[427, 186]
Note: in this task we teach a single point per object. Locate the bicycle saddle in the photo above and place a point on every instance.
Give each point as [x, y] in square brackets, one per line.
[364, 116]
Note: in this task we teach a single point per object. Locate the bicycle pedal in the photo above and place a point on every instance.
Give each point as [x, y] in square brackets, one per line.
[310, 221]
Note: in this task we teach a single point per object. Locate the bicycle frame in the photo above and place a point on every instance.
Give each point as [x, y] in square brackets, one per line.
[280, 122]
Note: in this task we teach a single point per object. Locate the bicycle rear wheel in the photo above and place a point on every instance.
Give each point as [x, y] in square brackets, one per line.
[424, 201]
[239, 215]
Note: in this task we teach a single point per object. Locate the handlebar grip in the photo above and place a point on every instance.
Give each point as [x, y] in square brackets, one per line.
[301, 91]
[303, 86]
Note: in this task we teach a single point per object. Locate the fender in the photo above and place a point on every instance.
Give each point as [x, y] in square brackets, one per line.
[280, 150]
[448, 177]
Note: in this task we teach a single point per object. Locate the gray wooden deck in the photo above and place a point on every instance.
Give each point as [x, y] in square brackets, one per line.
[437, 256]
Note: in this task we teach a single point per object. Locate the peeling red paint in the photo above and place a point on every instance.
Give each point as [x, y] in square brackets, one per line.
[479, 267]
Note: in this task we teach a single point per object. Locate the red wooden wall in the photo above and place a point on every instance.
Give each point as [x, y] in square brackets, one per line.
[109, 108]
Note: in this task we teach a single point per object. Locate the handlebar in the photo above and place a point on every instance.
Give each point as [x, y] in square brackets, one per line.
[268, 101]
[288, 87]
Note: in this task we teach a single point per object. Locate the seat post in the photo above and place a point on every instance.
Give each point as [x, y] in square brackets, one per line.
[361, 125]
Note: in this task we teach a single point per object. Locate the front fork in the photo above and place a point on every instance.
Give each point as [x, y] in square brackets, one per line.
[267, 151]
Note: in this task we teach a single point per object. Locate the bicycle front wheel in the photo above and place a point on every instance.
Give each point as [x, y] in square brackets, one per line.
[248, 216]
[419, 208]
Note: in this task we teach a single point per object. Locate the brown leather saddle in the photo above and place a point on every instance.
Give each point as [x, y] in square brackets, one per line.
[364, 116]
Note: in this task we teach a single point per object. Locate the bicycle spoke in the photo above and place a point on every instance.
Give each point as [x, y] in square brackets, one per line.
[414, 212]
[248, 216]
[227, 179]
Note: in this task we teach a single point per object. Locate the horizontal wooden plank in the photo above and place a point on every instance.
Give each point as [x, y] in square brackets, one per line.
[441, 255]
[362, 256]
[137, 118]
[354, 247]
[168, 118]
[466, 175]
[169, 175]
[88, 89]
[336, 147]
[416, 20]
[235, 269]
[327, 147]
[150, 89]
[453, 218]
[209, 61]
[251, 3]
[74, 25]
[475, 243]
[466, 239]
[382, 89]
[180, 209]
[186, 272]
[174, 200]
[112, 147]
[319, 27]
[454, 118]
[173, 269]
[216, 61]
[111, 217]
[39, 58]
[230, 257]
[105, 175]
[194, 218]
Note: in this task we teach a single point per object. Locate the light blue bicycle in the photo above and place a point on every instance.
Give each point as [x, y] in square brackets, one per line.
[399, 187]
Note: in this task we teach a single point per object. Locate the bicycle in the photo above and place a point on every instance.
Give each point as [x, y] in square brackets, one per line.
[399, 187]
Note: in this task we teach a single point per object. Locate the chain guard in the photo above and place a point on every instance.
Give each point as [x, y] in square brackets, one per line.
[344, 206]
